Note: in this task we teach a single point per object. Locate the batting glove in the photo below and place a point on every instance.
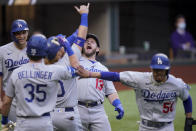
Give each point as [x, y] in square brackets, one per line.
[63, 41]
[118, 107]
[188, 124]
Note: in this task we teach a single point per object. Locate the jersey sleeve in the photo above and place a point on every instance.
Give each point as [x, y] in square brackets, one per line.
[109, 88]
[1, 62]
[184, 90]
[64, 72]
[130, 78]
[10, 89]
[76, 50]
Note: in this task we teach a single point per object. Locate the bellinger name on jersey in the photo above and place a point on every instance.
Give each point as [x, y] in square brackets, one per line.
[35, 74]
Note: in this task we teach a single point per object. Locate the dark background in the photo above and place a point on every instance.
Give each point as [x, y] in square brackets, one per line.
[139, 20]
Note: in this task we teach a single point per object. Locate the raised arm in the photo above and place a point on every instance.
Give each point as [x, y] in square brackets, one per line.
[83, 10]
[72, 57]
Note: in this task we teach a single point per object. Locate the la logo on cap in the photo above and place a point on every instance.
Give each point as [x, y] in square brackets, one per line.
[159, 61]
[19, 25]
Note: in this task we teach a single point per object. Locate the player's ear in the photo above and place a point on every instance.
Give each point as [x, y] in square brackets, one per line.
[97, 50]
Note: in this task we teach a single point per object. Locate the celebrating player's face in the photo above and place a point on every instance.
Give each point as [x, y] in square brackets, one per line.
[90, 47]
[21, 36]
[159, 75]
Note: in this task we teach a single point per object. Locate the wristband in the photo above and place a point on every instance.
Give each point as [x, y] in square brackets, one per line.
[80, 41]
[84, 20]
[4, 120]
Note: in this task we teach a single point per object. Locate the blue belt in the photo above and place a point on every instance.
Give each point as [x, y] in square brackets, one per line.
[67, 109]
[46, 114]
[63, 109]
[90, 104]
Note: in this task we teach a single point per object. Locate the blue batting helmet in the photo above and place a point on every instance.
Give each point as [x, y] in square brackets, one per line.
[36, 46]
[18, 25]
[53, 46]
[160, 61]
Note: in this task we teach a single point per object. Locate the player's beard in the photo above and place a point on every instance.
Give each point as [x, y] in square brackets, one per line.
[89, 54]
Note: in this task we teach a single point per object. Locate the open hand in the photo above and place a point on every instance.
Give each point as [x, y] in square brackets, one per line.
[83, 9]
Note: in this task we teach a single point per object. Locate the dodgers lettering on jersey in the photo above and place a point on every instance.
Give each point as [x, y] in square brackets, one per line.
[10, 59]
[93, 89]
[35, 75]
[11, 64]
[158, 96]
[93, 69]
[156, 102]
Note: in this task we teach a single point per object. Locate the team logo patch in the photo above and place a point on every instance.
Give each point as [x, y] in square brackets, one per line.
[159, 61]
[33, 52]
[55, 41]
[19, 25]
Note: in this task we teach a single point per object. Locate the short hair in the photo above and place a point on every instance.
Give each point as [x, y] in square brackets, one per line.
[35, 58]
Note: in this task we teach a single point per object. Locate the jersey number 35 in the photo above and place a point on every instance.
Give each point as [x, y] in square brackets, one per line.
[36, 89]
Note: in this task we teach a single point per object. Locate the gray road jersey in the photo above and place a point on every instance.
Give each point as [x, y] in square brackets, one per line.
[10, 59]
[92, 89]
[35, 87]
[67, 94]
[156, 102]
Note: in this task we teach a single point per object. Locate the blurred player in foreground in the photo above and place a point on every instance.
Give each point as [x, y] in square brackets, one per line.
[156, 94]
[65, 116]
[34, 85]
[92, 91]
[12, 56]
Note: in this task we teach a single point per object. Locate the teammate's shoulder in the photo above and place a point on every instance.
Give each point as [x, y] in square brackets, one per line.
[178, 82]
[138, 74]
[99, 64]
[17, 70]
[11, 44]
[55, 67]
[173, 79]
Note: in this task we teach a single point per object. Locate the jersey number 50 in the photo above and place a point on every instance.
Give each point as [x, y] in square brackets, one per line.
[38, 90]
[167, 106]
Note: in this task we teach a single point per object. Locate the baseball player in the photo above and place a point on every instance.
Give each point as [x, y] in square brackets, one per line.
[156, 94]
[91, 91]
[12, 56]
[65, 116]
[34, 85]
